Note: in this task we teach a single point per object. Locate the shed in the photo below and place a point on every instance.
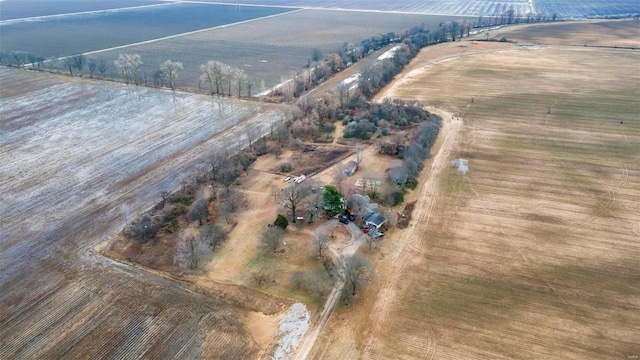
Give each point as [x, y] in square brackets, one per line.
[350, 168]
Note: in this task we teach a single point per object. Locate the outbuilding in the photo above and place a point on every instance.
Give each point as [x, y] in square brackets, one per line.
[350, 168]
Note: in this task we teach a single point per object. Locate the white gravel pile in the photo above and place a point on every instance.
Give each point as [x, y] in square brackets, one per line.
[291, 330]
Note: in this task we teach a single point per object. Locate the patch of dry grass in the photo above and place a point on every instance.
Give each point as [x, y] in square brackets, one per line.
[534, 252]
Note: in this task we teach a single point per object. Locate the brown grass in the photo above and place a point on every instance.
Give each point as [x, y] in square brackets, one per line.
[532, 254]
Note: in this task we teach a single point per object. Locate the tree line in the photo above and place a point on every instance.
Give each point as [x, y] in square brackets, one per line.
[223, 79]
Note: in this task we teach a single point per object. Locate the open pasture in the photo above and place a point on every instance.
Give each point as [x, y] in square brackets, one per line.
[20, 9]
[63, 36]
[534, 252]
[79, 159]
[273, 47]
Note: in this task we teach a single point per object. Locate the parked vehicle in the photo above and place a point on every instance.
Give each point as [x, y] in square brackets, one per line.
[343, 220]
[287, 179]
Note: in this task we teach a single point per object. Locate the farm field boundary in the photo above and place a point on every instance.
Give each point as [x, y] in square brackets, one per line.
[21, 9]
[533, 252]
[563, 8]
[79, 158]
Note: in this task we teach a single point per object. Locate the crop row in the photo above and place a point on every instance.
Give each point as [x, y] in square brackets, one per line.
[563, 8]
[268, 49]
[76, 157]
[31, 8]
[63, 36]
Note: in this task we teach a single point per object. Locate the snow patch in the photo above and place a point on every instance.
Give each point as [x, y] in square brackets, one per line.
[291, 331]
[461, 164]
[389, 53]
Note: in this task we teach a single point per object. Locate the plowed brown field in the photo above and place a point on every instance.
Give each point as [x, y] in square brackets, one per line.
[76, 158]
[534, 252]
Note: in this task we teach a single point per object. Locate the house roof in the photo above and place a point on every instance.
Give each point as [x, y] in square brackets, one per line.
[375, 219]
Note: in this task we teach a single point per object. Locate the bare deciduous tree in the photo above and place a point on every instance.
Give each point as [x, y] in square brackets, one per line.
[241, 78]
[78, 61]
[359, 151]
[292, 197]
[92, 65]
[103, 67]
[282, 133]
[354, 271]
[391, 216]
[141, 229]
[228, 175]
[272, 237]
[189, 251]
[234, 200]
[164, 196]
[320, 243]
[276, 151]
[129, 66]
[372, 181]
[216, 159]
[68, 63]
[342, 91]
[214, 235]
[372, 238]
[287, 86]
[275, 192]
[170, 70]
[199, 210]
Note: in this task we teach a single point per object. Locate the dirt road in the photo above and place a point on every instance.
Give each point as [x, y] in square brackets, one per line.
[411, 240]
[310, 338]
[401, 257]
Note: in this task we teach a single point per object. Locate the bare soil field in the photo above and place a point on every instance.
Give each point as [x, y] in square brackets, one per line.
[534, 252]
[86, 32]
[613, 33]
[270, 48]
[574, 9]
[19, 9]
[563, 8]
[78, 158]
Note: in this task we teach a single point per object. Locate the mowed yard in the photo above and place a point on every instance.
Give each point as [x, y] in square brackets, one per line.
[534, 253]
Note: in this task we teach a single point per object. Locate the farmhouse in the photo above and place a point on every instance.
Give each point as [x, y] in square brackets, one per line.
[351, 167]
[374, 219]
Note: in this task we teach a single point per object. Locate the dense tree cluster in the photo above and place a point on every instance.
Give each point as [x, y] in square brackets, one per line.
[413, 156]
[142, 229]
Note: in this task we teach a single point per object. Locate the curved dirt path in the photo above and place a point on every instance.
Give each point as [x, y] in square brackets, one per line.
[310, 338]
[411, 241]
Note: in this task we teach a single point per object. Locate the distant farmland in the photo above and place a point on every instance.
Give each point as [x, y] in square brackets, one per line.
[534, 252]
[77, 158]
[577, 9]
[270, 48]
[564, 8]
[64, 36]
[17, 9]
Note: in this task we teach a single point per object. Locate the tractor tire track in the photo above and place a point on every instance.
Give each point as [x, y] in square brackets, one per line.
[414, 239]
